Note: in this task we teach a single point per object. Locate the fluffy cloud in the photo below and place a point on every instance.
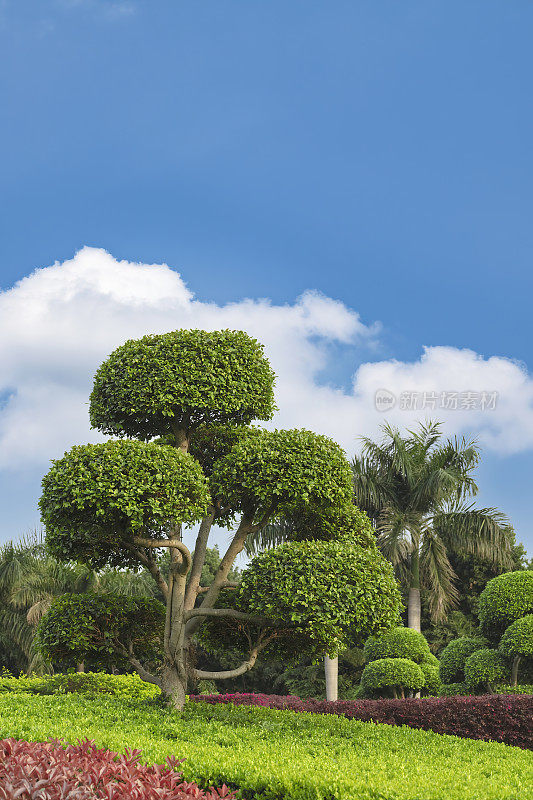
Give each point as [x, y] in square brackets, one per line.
[60, 322]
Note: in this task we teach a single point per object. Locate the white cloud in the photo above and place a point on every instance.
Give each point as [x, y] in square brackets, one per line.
[60, 322]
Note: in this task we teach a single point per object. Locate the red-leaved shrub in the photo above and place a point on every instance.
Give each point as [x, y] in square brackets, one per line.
[50, 771]
[499, 717]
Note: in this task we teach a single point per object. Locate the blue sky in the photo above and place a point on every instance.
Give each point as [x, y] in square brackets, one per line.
[376, 152]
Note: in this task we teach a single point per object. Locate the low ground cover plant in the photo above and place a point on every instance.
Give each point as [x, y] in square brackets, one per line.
[89, 683]
[279, 755]
[86, 772]
[496, 718]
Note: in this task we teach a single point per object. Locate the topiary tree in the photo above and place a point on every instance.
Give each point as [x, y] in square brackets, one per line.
[121, 503]
[454, 655]
[395, 674]
[485, 667]
[398, 643]
[517, 643]
[505, 599]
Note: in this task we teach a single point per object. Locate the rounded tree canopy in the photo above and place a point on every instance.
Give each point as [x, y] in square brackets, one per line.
[518, 638]
[212, 442]
[181, 379]
[505, 599]
[81, 627]
[386, 673]
[282, 470]
[485, 666]
[99, 496]
[398, 643]
[454, 655]
[334, 594]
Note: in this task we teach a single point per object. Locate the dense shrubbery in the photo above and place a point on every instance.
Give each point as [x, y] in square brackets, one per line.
[490, 717]
[280, 755]
[129, 687]
[398, 674]
[454, 655]
[398, 643]
[83, 771]
[484, 668]
[505, 599]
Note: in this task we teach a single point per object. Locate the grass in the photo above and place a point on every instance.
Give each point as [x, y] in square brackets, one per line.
[281, 755]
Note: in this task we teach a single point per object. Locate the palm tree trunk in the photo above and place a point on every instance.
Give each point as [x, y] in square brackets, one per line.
[514, 671]
[413, 604]
[331, 669]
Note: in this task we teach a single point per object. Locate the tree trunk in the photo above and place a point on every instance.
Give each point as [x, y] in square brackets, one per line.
[413, 606]
[514, 670]
[331, 669]
[81, 667]
[173, 686]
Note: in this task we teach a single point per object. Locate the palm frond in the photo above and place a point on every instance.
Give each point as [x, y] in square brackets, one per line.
[437, 576]
[481, 532]
[275, 533]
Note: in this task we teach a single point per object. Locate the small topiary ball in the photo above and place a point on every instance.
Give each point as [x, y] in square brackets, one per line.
[454, 655]
[399, 642]
[505, 599]
[518, 639]
[431, 659]
[388, 673]
[485, 667]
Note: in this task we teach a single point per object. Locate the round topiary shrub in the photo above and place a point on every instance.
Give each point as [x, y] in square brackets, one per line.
[110, 492]
[517, 643]
[431, 659]
[505, 599]
[485, 668]
[432, 681]
[398, 643]
[187, 378]
[454, 655]
[394, 674]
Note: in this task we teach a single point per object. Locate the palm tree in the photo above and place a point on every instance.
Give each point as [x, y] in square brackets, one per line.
[415, 488]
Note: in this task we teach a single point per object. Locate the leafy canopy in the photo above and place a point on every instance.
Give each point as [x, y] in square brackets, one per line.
[518, 638]
[505, 599]
[278, 470]
[398, 643]
[391, 672]
[454, 655]
[187, 377]
[485, 666]
[99, 626]
[334, 594]
[98, 496]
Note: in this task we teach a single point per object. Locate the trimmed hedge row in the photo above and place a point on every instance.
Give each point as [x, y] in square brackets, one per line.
[498, 718]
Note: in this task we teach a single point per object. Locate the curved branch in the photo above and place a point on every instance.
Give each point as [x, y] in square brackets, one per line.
[246, 666]
[198, 560]
[136, 664]
[225, 585]
[152, 568]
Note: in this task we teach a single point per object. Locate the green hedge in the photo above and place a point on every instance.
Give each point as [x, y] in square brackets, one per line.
[282, 755]
[129, 687]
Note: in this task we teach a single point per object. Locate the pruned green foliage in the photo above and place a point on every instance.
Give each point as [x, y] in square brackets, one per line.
[101, 628]
[397, 643]
[505, 599]
[454, 655]
[334, 595]
[282, 470]
[432, 681]
[518, 638]
[392, 673]
[98, 496]
[485, 668]
[189, 377]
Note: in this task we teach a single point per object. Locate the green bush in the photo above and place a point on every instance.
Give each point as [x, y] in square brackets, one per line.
[505, 599]
[324, 757]
[398, 643]
[454, 655]
[396, 674]
[432, 681]
[92, 684]
[518, 639]
[453, 689]
[431, 659]
[485, 668]
[524, 688]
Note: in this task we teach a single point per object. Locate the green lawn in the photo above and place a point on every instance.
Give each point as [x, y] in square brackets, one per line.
[282, 755]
